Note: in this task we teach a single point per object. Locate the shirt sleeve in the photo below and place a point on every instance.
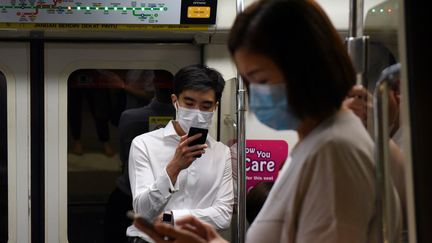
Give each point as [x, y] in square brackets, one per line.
[220, 212]
[150, 192]
[338, 202]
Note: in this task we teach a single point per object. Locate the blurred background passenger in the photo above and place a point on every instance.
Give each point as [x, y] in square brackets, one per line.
[360, 101]
[134, 122]
[139, 87]
[255, 199]
[89, 86]
[298, 80]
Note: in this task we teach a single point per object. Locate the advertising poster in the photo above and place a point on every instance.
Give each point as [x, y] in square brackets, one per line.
[264, 159]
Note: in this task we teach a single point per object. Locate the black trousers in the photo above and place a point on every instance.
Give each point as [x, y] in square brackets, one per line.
[100, 108]
[116, 221]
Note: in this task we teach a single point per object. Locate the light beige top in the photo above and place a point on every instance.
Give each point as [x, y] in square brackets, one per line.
[327, 194]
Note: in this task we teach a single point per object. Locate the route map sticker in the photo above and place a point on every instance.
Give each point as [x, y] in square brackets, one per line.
[264, 159]
[87, 14]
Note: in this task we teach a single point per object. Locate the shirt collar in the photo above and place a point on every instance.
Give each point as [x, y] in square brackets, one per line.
[169, 131]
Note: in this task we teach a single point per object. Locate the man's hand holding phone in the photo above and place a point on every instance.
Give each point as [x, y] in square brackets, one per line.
[184, 155]
[201, 140]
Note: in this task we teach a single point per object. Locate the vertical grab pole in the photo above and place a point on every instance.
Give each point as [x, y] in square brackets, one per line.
[381, 151]
[241, 152]
[241, 160]
[357, 46]
[356, 18]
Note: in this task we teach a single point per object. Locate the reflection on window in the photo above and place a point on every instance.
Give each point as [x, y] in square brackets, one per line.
[381, 25]
[3, 162]
[106, 110]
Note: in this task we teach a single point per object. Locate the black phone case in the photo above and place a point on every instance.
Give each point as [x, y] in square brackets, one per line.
[200, 140]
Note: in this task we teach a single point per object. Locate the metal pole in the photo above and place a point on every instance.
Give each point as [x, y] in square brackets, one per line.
[241, 160]
[356, 18]
[383, 177]
[357, 46]
[241, 152]
[240, 6]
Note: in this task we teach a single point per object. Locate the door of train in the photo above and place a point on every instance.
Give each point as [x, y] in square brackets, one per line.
[87, 87]
[15, 186]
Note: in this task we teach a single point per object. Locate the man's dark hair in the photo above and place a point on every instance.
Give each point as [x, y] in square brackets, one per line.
[199, 78]
[256, 198]
[300, 39]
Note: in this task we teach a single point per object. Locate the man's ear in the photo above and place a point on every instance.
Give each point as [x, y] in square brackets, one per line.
[216, 105]
[174, 99]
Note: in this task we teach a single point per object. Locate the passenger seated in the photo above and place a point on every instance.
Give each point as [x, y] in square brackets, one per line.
[166, 174]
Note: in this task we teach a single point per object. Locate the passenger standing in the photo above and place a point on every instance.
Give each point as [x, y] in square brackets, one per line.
[89, 85]
[299, 72]
[134, 122]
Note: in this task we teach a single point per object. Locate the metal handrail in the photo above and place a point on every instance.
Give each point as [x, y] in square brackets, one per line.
[241, 151]
[382, 162]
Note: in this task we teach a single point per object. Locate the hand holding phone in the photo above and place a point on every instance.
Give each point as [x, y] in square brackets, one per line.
[200, 140]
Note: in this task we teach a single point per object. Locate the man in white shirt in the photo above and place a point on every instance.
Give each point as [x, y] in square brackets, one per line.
[165, 173]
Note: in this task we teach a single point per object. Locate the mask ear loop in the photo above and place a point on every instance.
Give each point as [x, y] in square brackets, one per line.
[176, 106]
[216, 107]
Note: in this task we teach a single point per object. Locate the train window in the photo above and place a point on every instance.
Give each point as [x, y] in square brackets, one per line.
[107, 108]
[381, 25]
[3, 162]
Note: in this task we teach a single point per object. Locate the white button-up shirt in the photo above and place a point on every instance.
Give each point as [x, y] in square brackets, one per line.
[204, 189]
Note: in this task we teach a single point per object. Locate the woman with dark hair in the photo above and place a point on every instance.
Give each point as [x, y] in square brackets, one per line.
[299, 73]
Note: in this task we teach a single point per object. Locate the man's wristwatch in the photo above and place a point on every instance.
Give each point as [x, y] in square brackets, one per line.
[167, 217]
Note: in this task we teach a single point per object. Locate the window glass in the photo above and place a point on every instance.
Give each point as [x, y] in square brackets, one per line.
[3, 162]
[106, 110]
[381, 25]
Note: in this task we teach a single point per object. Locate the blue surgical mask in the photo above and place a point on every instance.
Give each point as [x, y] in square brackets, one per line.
[269, 103]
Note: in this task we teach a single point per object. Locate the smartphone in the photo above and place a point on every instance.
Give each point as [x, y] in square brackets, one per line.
[141, 221]
[200, 140]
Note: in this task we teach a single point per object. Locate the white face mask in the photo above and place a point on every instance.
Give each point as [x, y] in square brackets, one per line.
[188, 118]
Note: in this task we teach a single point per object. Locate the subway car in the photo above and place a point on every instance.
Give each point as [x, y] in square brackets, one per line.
[71, 72]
